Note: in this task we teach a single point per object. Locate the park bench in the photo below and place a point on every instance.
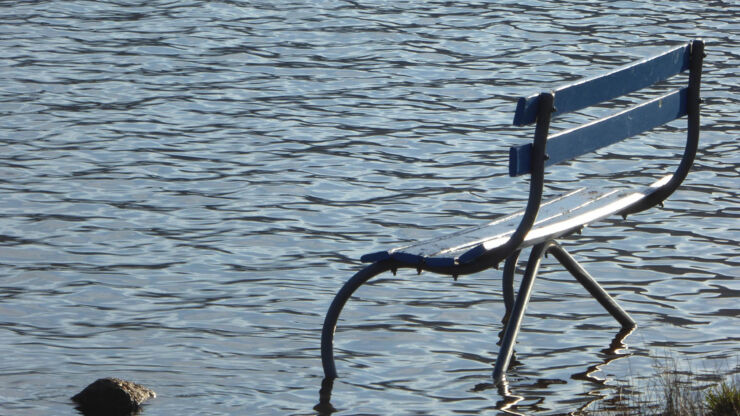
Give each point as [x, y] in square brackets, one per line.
[541, 223]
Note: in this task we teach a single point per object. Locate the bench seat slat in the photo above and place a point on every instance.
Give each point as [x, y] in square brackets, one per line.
[557, 217]
[619, 82]
[600, 133]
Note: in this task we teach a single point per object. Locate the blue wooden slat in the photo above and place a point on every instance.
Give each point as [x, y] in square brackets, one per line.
[520, 158]
[622, 81]
[603, 132]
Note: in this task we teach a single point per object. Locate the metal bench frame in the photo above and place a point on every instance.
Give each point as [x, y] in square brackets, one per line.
[481, 248]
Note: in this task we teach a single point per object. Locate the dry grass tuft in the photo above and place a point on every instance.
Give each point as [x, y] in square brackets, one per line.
[672, 392]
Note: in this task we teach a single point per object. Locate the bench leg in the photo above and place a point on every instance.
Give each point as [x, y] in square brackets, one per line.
[592, 286]
[517, 313]
[330, 321]
[508, 283]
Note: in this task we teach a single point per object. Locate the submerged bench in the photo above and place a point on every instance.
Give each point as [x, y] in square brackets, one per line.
[541, 223]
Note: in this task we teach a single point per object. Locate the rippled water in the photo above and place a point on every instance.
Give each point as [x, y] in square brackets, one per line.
[186, 184]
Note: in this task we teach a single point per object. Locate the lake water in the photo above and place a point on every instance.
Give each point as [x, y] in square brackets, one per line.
[186, 184]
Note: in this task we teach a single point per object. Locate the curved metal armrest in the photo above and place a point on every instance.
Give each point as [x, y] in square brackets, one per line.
[536, 181]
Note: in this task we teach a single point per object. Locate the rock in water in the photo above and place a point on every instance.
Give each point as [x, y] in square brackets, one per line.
[112, 396]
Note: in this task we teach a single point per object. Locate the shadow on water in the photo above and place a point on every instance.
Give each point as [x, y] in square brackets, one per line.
[108, 411]
[509, 399]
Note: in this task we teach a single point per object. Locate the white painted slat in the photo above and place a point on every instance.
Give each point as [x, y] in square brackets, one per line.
[556, 217]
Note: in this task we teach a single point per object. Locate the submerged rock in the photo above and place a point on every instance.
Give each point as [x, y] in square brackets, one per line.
[112, 396]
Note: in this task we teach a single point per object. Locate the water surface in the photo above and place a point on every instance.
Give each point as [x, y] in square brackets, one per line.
[185, 185]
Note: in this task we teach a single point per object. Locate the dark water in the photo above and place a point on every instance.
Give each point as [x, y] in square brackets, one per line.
[185, 185]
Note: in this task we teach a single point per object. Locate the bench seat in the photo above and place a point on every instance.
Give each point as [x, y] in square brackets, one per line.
[557, 217]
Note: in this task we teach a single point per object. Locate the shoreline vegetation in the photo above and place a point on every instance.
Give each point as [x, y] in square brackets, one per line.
[674, 392]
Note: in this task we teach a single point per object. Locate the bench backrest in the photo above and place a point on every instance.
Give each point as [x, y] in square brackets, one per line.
[547, 150]
[583, 139]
